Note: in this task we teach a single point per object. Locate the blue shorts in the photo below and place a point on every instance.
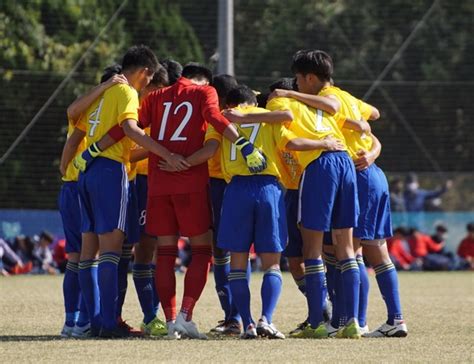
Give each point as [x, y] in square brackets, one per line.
[141, 183]
[103, 196]
[71, 216]
[132, 230]
[253, 211]
[217, 188]
[328, 193]
[295, 242]
[375, 221]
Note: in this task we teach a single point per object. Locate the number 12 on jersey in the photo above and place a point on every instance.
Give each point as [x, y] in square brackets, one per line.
[176, 137]
[253, 135]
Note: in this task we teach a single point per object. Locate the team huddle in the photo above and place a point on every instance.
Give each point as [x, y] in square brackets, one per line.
[158, 151]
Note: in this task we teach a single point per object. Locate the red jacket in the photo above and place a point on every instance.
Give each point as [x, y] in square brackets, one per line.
[397, 250]
[466, 248]
[421, 245]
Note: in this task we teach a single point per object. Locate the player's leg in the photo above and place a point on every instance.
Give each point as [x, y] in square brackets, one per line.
[363, 288]
[333, 277]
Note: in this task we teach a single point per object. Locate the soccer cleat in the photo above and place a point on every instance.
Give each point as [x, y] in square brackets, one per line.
[350, 331]
[188, 328]
[265, 329]
[131, 331]
[219, 329]
[67, 331]
[155, 328]
[364, 330]
[309, 333]
[299, 328]
[332, 331]
[120, 332]
[250, 333]
[81, 332]
[173, 334]
[399, 329]
[232, 328]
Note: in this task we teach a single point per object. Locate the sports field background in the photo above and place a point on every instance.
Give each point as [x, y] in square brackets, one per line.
[438, 308]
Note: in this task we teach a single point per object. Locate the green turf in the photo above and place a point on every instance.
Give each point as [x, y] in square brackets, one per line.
[438, 307]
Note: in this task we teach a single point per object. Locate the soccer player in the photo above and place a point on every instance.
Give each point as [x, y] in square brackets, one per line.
[253, 211]
[178, 203]
[103, 190]
[76, 325]
[374, 224]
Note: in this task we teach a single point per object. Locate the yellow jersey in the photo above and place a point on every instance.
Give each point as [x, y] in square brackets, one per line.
[117, 103]
[355, 109]
[214, 164]
[72, 173]
[263, 136]
[307, 123]
[142, 166]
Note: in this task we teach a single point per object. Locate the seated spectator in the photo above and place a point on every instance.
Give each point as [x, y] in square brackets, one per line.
[397, 201]
[439, 237]
[425, 248]
[466, 249]
[24, 247]
[44, 255]
[417, 198]
[8, 259]
[400, 255]
[59, 255]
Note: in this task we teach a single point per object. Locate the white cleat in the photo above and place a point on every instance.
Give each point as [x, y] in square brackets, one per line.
[249, 333]
[67, 331]
[188, 328]
[399, 329]
[265, 329]
[81, 332]
[364, 330]
[173, 334]
[332, 331]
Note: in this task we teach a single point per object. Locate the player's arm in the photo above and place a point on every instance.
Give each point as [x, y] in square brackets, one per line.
[138, 154]
[328, 143]
[138, 135]
[272, 117]
[330, 103]
[200, 156]
[70, 149]
[366, 158]
[361, 126]
[82, 103]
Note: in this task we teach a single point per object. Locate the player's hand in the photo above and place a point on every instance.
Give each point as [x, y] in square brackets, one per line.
[82, 161]
[256, 161]
[177, 162]
[115, 79]
[279, 93]
[233, 116]
[364, 127]
[332, 144]
[364, 160]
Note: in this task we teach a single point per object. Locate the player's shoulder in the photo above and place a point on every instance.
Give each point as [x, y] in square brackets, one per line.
[121, 89]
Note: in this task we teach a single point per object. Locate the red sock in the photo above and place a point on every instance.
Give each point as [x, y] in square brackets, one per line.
[196, 277]
[165, 279]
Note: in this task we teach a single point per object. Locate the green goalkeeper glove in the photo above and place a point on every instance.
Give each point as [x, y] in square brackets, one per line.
[256, 161]
[82, 161]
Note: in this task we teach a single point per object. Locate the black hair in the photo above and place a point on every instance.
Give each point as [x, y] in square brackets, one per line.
[197, 71]
[110, 71]
[313, 61]
[285, 83]
[160, 78]
[470, 227]
[173, 68]
[140, 56]
[240, 95]
[46, 235]
[223, 84]
[262, 99]
[402, 230]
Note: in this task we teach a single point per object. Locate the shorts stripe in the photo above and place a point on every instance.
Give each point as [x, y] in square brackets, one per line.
[300, 197]
[123, 201]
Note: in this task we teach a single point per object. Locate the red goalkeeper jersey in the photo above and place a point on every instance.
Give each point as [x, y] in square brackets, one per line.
[178, 118]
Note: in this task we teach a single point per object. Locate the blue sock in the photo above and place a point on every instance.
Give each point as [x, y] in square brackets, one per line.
[123, 265]
[156, 299]
[364, 291]
[338, 309]
[88, 279]
[315, 283]
[108, 288]
[143, 279]
[221, 273]
[239, 286]
[270, 292]
[301, 283]
[330, 261]
[387, 280]
[351, 287]
[71, 293]
[83, 318]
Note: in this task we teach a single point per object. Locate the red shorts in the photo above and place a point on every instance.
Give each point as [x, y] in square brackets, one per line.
[187, 214]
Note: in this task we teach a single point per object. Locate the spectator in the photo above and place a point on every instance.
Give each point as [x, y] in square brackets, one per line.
[439, 237]
[400, 255]
[425, 248]
[397, 200]
[59, 255]
[466, 249]
[44, 255]
[416, 198]
[8, 259]
[24, 247]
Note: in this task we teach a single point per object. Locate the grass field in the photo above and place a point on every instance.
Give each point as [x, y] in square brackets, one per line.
[438, 307]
